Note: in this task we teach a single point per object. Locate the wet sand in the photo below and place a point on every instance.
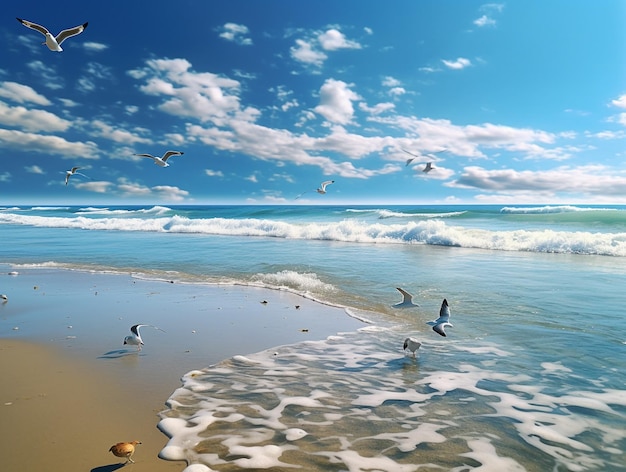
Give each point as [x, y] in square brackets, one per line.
[71, 389]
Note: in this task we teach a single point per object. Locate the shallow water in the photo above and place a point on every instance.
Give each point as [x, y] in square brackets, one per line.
[530, 377]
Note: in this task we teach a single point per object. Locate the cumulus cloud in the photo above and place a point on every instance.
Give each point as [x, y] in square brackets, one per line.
[31, 120]
[336, 101]
[619, 102]
[484, 21]
[47, 144]
[118, 135]
[213, 173]
[22, 94]
[333, 39]
[204, 96]
[459, 63]
[307, 51]
[304, 52]
[236, 33]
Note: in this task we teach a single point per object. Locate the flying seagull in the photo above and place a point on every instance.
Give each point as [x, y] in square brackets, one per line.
[444, 319]
[323, 186]
[135, 338]
[72, 171]
[428, 167]
[407, 300]
[321, 189]
[161, 161]
[124, 449]
[412, 344]
[54, 43]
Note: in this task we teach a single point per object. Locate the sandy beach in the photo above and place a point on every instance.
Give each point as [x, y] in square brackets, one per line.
[71, 389]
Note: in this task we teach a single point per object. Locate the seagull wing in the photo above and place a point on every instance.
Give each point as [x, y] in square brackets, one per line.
[323, 185]
[169, 154]
[414, 155]
[407, 297]
[154, 158]
[439, 328]
[444, 311]
[429, 167]
[74, 169]
[408, 161]
[34, 26]
[68, 33]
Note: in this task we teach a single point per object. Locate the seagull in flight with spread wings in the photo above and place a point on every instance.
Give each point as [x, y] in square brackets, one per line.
[54, 42]
[161, 161]
[71, 172]
[444, 319]
[407, 300]
[321, 189]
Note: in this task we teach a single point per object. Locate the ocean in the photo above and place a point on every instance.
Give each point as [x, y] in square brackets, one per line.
[531, 376]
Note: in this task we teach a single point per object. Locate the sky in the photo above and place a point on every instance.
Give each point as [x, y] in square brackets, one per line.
[513, 102]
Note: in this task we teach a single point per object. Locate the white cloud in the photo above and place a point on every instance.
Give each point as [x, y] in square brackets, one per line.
[118, 135]
[47, 73]
[34, 169]
[97, 186]
[22, 94]
[92, 46]
[204, 96]
[459, 63]
[391, 82]
[333, 39]
[304, 52]
[5, 177]
[378, 108]
[31, 120]
[336, 101]
[213, 173]
[236, 33]
[484, 21]
[590, 180]
[619, 102]
[47, 144]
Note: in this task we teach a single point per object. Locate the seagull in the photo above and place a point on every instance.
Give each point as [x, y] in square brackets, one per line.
[4, 298]
[444, 316]
[323, 186]
[135, 338]
[54, 43]
[162, 161]
[72, 171]
[412, 344]
[407, 300]
[429, 166]
[322, 189]
[124, 449]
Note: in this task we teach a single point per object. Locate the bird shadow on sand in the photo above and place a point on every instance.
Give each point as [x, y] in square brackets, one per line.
[108, 468]
[117, 353]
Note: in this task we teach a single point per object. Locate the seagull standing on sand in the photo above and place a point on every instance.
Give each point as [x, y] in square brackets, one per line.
[444, 319]
[135, 338]
[161, 161]
[54, 43]
[407, 300]
[124, 449]
[412, 344]
[72, 171]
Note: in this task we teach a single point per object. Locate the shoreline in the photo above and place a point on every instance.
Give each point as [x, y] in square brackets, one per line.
[75, 389]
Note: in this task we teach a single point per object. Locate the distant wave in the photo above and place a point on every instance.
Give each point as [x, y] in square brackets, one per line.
[551, 209]
[383, 214]
[428, 232]
[155, 210]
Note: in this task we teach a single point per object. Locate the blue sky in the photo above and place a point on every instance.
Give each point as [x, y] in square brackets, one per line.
[269, 98]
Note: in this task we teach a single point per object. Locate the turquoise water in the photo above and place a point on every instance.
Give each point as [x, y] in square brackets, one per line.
[530, 377]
